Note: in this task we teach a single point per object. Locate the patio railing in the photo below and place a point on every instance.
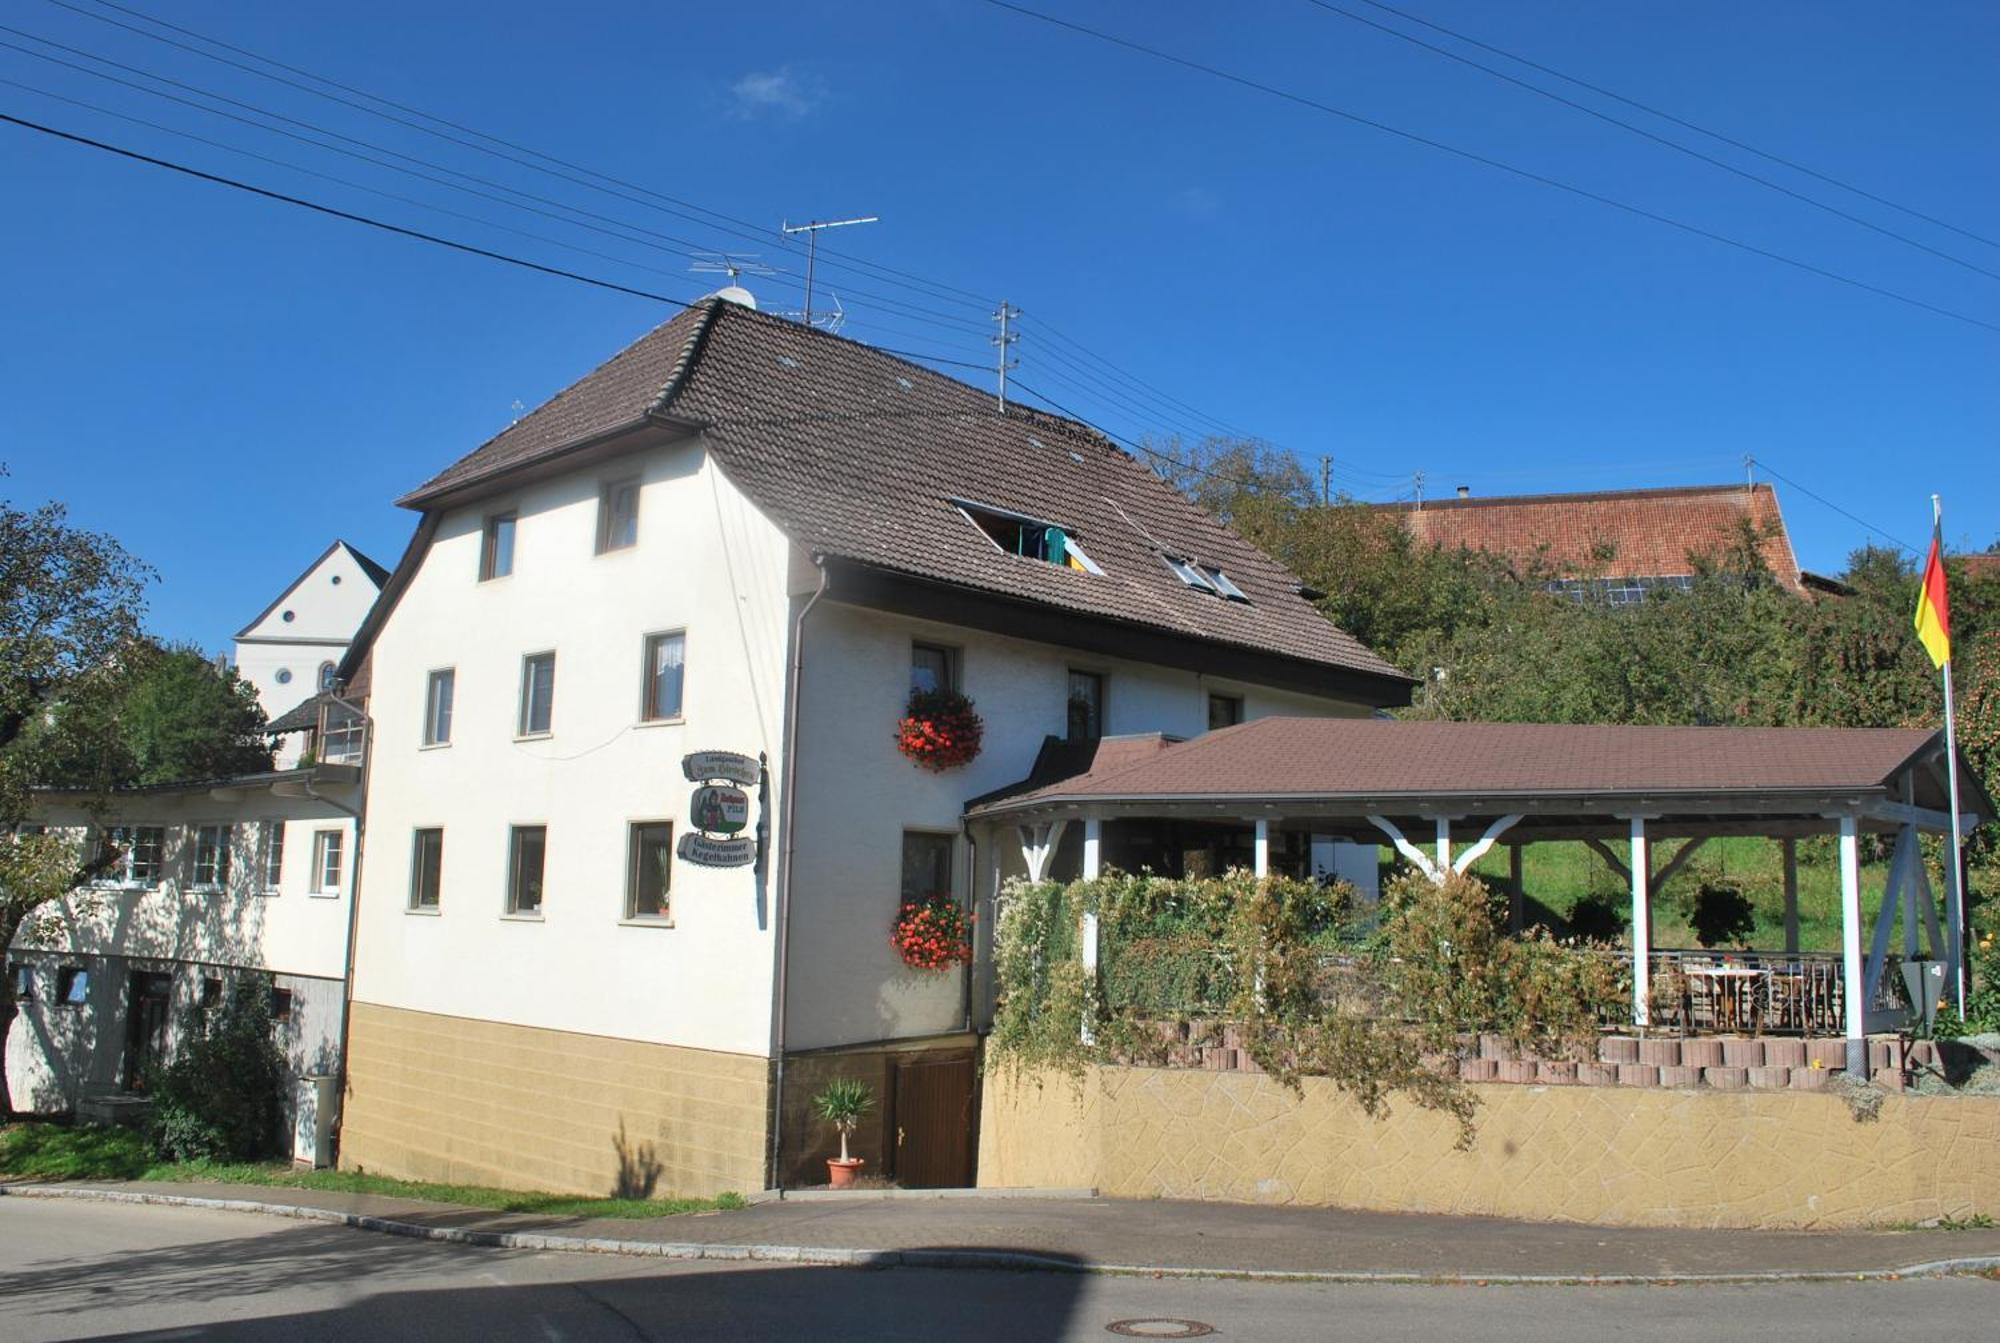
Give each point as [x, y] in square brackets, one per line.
[1748, 992]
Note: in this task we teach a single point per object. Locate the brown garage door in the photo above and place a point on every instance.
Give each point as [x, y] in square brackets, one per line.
[934, 1115]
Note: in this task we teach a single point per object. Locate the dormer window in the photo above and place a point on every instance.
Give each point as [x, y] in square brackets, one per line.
[1205, 578]
[1035, 538]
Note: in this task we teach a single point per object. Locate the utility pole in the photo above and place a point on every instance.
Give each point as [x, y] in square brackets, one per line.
[1750, 471]
[1004, 316]
[1325, 480]
[811, 230]
[1418, 479]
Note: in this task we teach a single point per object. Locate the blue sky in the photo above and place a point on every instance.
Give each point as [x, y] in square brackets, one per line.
[226, 383]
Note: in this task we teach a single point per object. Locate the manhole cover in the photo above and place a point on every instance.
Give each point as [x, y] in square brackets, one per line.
[1162, 1328]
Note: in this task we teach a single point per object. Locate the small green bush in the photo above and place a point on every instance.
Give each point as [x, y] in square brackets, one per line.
[221, 1098]
[1722, 915]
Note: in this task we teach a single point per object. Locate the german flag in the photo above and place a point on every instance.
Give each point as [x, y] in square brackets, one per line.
[1933, 609]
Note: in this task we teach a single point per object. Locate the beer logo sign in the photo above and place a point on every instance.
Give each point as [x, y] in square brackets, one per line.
[718, 809]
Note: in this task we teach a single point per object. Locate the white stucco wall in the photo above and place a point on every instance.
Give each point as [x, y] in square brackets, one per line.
[325, 606]
[58, 1053]
[857, 794]
[707, 562]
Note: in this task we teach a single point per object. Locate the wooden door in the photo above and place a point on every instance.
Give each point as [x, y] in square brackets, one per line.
[934, 1118]
[149, 996]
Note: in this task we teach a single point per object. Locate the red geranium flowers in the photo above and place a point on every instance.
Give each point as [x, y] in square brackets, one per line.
[934, 933]
[939, 730]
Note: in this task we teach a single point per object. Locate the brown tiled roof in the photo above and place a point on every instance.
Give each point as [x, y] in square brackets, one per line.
[1383, 758]
[858, 454]
[1609, 534]
[1985, 564]
[300, 717]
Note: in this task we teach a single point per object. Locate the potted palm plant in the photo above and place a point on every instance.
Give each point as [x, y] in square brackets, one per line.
[841, 1103]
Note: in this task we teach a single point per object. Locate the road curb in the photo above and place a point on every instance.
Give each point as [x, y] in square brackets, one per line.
[1007, 1260]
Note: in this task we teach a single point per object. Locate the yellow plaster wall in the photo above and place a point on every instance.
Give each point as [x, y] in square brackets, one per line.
[479, 1102]
[1611, 1155]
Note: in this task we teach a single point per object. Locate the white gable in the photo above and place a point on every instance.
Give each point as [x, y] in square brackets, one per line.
[327, 601]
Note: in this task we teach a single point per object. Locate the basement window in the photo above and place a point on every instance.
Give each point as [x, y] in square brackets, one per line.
[1205, 578]
[1034, 538]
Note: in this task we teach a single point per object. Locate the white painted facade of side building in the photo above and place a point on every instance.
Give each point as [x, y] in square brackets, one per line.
[167, 930]
[288, 653]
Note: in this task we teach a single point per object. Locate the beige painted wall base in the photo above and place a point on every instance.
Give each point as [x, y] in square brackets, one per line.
[479, 1102]
[1609, 1155]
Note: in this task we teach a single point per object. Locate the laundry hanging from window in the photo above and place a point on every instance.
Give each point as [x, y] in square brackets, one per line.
[1032, 538]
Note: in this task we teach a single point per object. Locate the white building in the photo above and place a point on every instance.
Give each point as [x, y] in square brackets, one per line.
[289, 652]
[743, 535]
[214, 879]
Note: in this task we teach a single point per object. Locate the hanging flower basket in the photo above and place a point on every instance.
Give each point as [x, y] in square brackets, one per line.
[939, 730]
[934, 933]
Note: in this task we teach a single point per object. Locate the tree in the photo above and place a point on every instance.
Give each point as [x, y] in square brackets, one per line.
[70, 600]
[171, 715]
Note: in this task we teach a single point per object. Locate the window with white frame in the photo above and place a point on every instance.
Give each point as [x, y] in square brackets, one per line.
[538, 694]
[328, 846]
[326, 674]
[618, 515]
[438, 693]
[1205, 578]
[666, 675]
[140, 850]
[927, 856]
[1086, 706]
[1224, 711]
[426, 869]
[271, 854]
[650, 870]
[343, 736]
[209, 869]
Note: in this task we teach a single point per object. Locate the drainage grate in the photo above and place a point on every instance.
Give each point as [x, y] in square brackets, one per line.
[1160, 1328]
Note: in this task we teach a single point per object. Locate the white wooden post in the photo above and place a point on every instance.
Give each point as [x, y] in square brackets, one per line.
[1850, 949]
[1260, 850]
[1642, 926]
[1443, 847]
[1791, 851]
[1093, 847]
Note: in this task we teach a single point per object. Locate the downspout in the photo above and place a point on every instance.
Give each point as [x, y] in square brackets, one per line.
[784, 910]
[353, 897]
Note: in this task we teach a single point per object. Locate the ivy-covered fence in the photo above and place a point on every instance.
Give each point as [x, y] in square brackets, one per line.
[1307, 980]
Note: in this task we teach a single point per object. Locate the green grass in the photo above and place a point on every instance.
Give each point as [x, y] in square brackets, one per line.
[44, 1151]
[1559, 875]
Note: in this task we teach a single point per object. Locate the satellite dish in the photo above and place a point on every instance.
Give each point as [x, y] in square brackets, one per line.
[736, 293]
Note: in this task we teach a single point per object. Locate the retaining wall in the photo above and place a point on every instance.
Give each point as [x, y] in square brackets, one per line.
[1630, 1156]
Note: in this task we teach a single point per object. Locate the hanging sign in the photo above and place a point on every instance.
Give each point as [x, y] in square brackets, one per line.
[703, 851]
[702, 766]
[718, 809]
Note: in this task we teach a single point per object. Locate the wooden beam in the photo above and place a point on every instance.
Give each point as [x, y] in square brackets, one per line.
[1611, 860]
[1790, 849]
[1486, 842]
[1642, 927]
[1904, 813]
[1260, 849]
[1850, 949]
[1415, 856]
[1686, 851]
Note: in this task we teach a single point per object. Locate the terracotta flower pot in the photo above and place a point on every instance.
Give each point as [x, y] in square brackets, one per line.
[841, 1174]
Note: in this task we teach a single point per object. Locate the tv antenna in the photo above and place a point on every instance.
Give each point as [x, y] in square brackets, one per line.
[829, 322]
[1005, 316]
[733, 264]
[812, 230]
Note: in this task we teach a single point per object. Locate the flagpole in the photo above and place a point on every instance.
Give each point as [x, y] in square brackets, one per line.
[1955, 911]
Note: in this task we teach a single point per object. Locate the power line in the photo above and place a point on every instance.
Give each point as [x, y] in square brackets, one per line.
[1683, 122]
[663, 241]
[1759, 462]
[1471, 156]
[658, 200]
[1657, 139]
[399, 229]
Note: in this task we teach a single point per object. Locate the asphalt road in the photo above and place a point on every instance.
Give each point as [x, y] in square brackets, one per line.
[81, 1270]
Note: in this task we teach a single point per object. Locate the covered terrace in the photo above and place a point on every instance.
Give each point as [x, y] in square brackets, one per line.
[1278, 794]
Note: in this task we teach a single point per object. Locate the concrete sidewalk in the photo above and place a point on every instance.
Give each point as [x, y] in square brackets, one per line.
[1092, 1234]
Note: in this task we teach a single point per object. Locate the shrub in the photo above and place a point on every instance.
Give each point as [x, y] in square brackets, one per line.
[1721, 915]
[221, 1097]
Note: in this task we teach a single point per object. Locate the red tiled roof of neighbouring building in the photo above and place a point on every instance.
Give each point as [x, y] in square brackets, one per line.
[1610, 534]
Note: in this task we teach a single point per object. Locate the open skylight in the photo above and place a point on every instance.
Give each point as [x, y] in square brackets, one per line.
[1205, 578]
[1033, 538]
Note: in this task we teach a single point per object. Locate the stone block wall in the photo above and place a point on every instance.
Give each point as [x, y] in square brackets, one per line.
[434, 1097]
[1617, 1155]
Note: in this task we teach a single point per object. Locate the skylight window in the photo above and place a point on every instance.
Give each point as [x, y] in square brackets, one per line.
[1034, 538]
[1205, 578]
